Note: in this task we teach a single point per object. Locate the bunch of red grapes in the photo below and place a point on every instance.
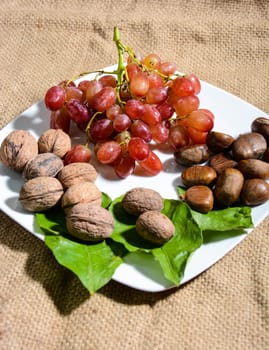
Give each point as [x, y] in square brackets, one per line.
[124, 112]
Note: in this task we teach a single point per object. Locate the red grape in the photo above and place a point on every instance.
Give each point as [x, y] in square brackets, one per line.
[156, 95]
[74, 92]
[151, 115]
[101, 129]
[93, 87]
[108, 80]
[152, 165]
[138, 149]
[55, 97]
[208, 113]
[167, 68]
[124, 166]
[121, 122]
[166, 110]
[152, 61]
[132, 70]
[197, 137]
[78, 112]
[125, 94]
[60, 120]
[160, 132]
[78, 153]
[199, 120]
[123, 138]
[108, 152]
[134, 108]
[104, 99]
[83, 85]
[139, 84]
[112, 111]
[178, 136]
[195, 82]
[141, 129]
[182, 87]
[155, 80]
[187, 104]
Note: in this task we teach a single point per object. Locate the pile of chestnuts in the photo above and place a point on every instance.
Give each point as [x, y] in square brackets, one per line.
[227, 171]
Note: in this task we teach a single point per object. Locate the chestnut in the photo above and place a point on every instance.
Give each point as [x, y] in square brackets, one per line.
[228, 186]
[261, 126]
[254, 192]
[219, 142]
[249, 145]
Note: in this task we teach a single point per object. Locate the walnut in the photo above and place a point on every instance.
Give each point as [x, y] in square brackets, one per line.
[40, 194]
[44, 164]
[17, 149]
[89, 222]
[139, 199]
[75, 173]
[155, 227]
[55, 141]
[83, 192]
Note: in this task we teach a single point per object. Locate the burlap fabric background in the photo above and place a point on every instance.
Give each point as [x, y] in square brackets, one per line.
[43, 306]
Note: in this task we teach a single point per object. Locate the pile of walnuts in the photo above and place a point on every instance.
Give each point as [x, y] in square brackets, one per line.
[49, 183]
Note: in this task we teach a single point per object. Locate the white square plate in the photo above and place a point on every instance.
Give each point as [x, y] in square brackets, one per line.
[232, 115]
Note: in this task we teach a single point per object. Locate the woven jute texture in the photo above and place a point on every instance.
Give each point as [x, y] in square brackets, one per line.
[43, 305]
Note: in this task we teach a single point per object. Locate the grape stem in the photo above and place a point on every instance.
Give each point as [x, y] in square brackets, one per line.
[80, 75]
[121, 67]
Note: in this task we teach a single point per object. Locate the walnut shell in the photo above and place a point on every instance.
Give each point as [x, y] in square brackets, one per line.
[83, 192]
[139, 199]
[89, 222]
[17, 149]
[44, 164]
[55, 141]
[40, 194]
[75, 173]
[155, 227]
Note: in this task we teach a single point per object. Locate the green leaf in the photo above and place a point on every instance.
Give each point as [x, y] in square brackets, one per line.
[106, 200]
[124, 226]
[93, 264]
[52, 221]
[174, 254]
[233, 218]
[181, 190]
[170, 206]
